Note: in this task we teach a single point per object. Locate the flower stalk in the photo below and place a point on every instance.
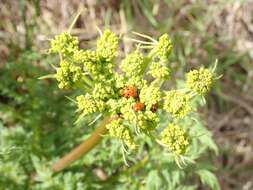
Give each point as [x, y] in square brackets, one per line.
[83, 148]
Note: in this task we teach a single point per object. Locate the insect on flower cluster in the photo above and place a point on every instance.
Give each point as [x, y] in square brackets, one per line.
[119, 89]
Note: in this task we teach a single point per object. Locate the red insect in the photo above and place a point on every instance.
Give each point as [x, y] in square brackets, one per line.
[130, 91]
[138, 106]
[154, 108]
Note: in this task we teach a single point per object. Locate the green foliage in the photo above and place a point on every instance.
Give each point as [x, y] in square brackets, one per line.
[208, 178]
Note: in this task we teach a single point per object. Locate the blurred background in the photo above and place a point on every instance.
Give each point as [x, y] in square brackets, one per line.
[201, 30]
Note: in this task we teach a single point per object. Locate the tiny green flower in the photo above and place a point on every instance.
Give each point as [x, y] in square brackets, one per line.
[150, 95]
[64, 44]
[145, 119]
[176, 139]
[126, 109]
[107, 46]
[200, 81]
[68, 74]
[119, 130]
[89, 61]
[137, 81]
[92, 64]
[163, 49]
[86, 104]
[103, 90]
[133, 64]
[177, 103]
[159, 71]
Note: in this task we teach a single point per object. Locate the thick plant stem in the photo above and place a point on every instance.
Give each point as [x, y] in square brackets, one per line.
[83, 148]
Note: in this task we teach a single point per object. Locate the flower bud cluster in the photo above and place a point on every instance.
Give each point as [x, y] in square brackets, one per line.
[68, 74]
[107, 46]
[86, 104]
[117, 129]
[177, 103]
[64, 44]
[151, 95]
[127, 95]
[133, 64]
[175, 138]
[159, 70]
[160, 54]
[200, 81]
[163, 49]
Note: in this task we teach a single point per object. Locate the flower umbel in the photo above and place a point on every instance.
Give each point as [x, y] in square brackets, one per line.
[177, 103]
[107, 46]
[64, 44]
[175, 138]
[159, 70]
[163, 48]
[133, 64]
[150, 95]
[86, 104]
[119, 130]
[68, 74]
[200, 81]
[128, 96]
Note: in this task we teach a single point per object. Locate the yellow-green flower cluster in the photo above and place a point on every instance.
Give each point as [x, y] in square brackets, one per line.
[159, 70]
[177, 103]
[200, 81]
[143, 119]
[68, 74]
[150, 95]
[127, 95]
[89, 61]
[176, 139]
[117, 129]
[86, 104]
[133, 64]
[64, 44]
[107, 46]
[103, 90]
[163, 49]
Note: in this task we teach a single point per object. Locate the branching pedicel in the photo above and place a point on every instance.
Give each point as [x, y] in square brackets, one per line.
[126, 96]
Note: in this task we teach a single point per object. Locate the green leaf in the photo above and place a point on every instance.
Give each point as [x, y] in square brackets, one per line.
[208, 178]
[50, 76]
[153, 181]
[206, 137]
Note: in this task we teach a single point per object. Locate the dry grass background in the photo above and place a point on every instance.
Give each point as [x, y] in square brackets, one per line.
[202, 31]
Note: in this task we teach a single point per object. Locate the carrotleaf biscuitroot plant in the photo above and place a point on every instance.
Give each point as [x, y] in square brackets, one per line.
[132, 95]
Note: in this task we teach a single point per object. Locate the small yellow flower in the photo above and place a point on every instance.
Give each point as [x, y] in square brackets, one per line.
[133, 64]
[150, 95]
[64, 44]
[200, 81]
[175, 138]
[107, 46]
[163, 49]
[119, 130]
[68, 74]
[159, 71]
[177, 103]
[137, 102]
[86, 104]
